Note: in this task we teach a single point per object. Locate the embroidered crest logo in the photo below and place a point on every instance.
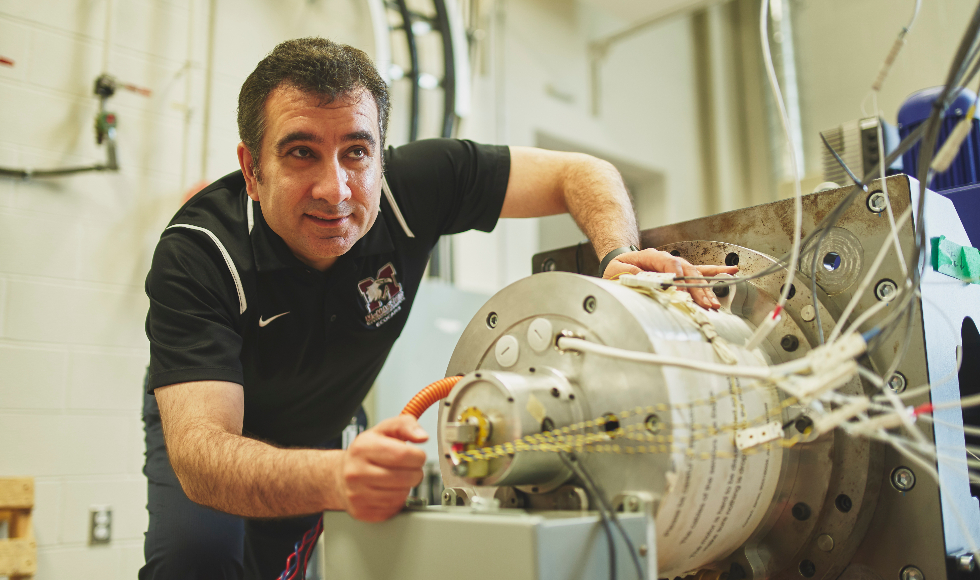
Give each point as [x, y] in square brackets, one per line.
[383, 296]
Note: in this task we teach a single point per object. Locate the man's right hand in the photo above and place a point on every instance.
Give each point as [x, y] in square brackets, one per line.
[379, 469]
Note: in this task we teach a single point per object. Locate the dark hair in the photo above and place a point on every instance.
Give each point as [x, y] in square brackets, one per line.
[313, 65]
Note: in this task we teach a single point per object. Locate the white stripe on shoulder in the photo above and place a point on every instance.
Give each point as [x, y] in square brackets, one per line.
[250, 212]
[228, 262]
[394, 207]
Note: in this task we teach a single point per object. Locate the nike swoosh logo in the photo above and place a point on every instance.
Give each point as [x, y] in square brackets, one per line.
[262, 323]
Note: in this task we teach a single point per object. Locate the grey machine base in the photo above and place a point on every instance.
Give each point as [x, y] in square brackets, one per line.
[459, 542]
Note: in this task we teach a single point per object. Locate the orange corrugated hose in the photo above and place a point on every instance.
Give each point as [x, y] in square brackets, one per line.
[429, 395]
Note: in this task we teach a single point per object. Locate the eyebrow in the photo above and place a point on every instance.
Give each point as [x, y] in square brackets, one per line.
[360, 136]
[294, 137]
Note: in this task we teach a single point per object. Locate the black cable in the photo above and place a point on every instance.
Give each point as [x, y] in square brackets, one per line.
[572, 463]
[603, 516]
[413, 55]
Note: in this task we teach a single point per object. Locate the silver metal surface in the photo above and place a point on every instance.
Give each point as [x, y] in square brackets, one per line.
[919, 526]
[442, 543]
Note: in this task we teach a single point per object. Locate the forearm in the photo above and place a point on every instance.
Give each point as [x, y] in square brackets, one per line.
[243, 476]
[596, 198]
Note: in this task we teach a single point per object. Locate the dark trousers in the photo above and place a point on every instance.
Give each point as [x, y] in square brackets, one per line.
[188, 541]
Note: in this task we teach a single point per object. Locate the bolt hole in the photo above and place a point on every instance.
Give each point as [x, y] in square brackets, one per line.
[843, 503]
[652, 423]
[801, 511]
[808, 568]
[792, 291]
[534, 490]
[731, 259]
[611, 424]
[675, 253]
[831, 261]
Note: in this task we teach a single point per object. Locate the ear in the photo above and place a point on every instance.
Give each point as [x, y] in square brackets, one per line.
[245, 162]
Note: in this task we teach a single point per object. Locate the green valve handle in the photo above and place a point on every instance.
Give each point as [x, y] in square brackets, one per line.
[960, 262]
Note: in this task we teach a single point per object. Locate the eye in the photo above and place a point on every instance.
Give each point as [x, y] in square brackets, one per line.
[301, 153]
[358, 153]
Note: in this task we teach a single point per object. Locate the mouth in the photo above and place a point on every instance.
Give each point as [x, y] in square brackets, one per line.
[325, 221]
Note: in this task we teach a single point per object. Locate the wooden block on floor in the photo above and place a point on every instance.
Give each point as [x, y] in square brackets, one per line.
[18, 557]
[18, 552]
[16, 493]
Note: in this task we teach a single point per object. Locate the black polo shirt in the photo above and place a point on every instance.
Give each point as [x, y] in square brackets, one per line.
[230, 302]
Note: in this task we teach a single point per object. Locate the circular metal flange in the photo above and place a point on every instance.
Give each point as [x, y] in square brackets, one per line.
[812, 471]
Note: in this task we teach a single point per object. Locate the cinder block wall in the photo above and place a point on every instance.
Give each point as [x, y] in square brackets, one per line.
[74, 251]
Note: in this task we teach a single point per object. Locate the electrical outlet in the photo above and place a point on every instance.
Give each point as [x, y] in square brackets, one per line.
[99, 525]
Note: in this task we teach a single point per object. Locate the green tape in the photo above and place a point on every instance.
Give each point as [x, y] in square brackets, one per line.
[960, 262]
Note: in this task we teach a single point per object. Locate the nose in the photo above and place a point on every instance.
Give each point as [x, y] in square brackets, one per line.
[331, 185]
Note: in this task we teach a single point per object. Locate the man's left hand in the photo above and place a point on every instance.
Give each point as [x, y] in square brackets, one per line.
[651, 260]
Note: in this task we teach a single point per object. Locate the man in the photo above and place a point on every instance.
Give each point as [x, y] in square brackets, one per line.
[277, 292]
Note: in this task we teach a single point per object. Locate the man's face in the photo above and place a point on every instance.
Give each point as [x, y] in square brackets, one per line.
[321, 172]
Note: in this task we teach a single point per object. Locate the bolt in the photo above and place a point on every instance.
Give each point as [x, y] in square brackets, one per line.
[789, 343]
[632, 504]
[731, 259]
[903, 479]
[825, 542]
[549, 266]
[492, 320]
[897, 383]
[589, 304]
[643, 549]
[843, 503]
[461, 470]
[912, 573]
[808, 568]
[807, 313]
[555, 392]
[721, 290]
[547, 425]
[966, 563]
[885, 290]
[801, 511]
[877, 202]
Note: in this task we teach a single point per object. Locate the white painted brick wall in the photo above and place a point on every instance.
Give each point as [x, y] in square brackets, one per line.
[74, 251]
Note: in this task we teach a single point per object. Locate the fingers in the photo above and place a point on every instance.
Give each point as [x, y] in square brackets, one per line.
[403, 427]
[379, 469]
[651, 260]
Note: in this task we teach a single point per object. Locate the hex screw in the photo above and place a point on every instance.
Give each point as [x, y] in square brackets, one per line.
[808, 568]
[877, 202]
[589, 304]
[897, 383]
[789, 343]
[492, 320]
[885, 289]
[912, 573]
[844, 503]
[801, 511]
[966, 563]
[903, 479]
